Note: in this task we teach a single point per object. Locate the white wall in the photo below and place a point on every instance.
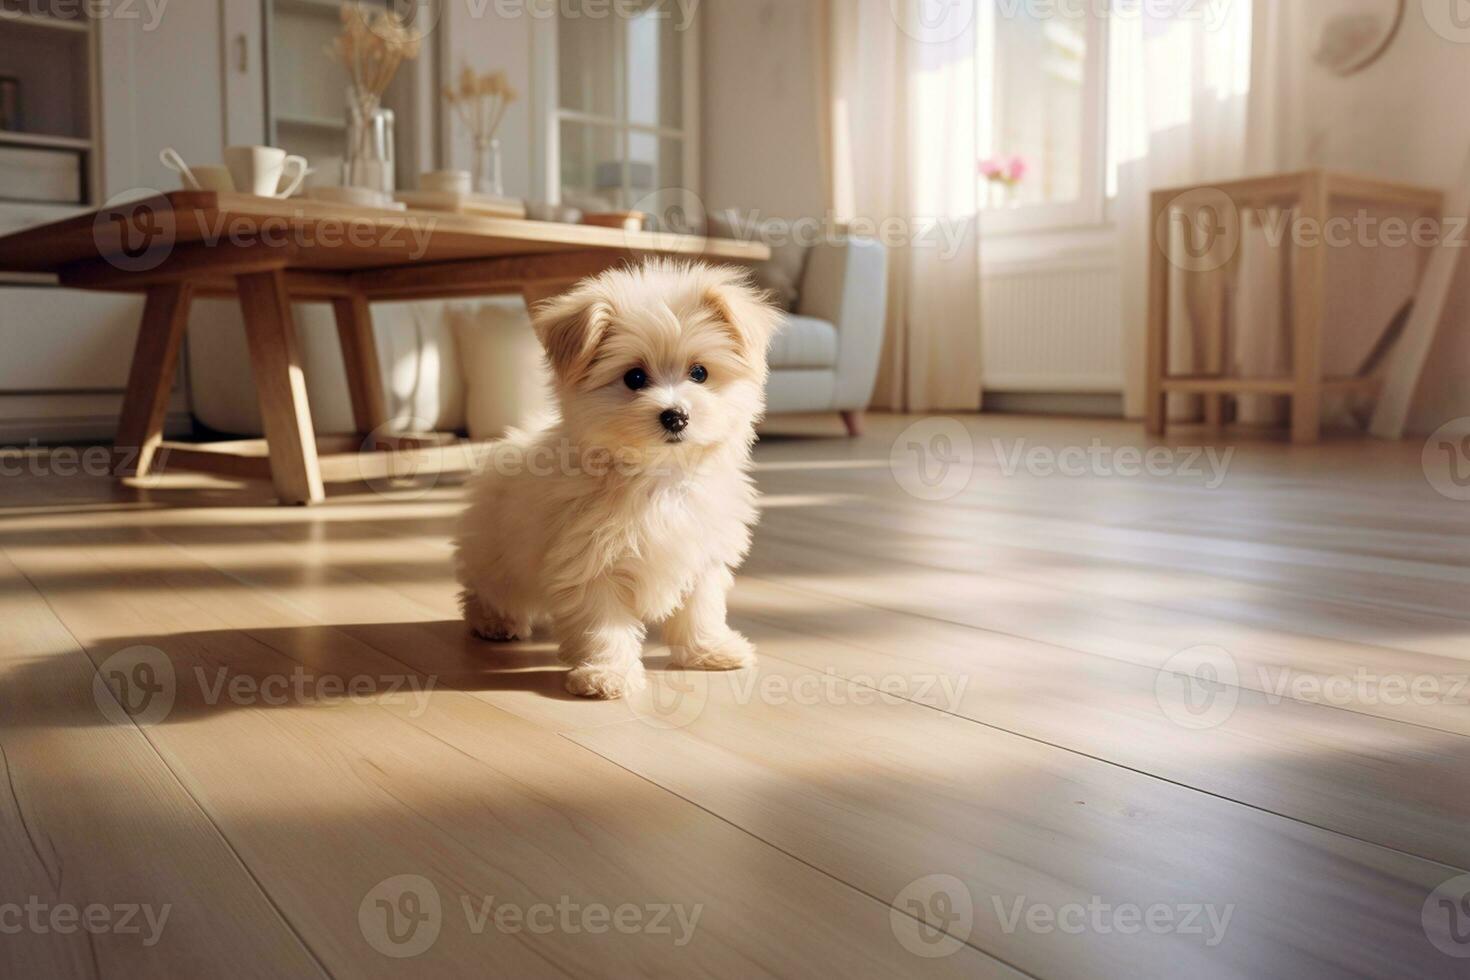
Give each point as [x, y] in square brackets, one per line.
[1405, 119]
[761, 145]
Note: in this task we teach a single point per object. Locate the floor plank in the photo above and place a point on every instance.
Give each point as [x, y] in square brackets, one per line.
[884, 794]
[91, 817]
[1032, 758]
[1378, 780]
[346, 793]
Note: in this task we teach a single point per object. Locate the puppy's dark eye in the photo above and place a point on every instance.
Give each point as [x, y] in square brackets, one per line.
[698, 374]
[636, 379]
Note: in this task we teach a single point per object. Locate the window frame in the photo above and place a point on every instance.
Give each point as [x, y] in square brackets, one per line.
[548, 114]
[1091, 207]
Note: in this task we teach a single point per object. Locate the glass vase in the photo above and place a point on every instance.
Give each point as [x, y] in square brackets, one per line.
[488, 174]
[368, 162]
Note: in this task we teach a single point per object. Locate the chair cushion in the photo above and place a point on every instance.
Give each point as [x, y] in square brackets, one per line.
[804, 342]
[781, 274]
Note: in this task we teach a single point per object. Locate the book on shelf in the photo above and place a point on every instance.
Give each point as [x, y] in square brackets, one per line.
[42, 174]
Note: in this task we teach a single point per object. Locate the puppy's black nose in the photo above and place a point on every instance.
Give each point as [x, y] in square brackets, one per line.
[675, 420]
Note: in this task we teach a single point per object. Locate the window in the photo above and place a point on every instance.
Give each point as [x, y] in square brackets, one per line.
[623, 125]
[1044, 102]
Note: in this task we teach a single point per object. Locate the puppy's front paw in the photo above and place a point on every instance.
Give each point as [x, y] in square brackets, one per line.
[607, 683]
[730, 651]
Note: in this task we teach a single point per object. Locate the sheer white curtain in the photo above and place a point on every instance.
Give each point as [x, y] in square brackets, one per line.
[1197, 94]
[901, 114]
[1179, 92]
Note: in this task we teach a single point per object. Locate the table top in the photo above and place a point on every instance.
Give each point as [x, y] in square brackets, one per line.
[1285, 187]
[325, 236]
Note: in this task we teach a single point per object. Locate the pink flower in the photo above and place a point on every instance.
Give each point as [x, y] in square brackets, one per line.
[1008, 170]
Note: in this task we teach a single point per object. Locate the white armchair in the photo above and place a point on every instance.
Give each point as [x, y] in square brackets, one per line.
[826, 357]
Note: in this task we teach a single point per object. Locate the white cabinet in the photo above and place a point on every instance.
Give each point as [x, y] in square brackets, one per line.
[137, 84]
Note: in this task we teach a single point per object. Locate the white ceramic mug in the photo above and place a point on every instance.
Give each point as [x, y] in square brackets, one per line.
[259, 170]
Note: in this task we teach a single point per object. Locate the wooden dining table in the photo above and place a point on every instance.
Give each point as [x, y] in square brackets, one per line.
[272, 254]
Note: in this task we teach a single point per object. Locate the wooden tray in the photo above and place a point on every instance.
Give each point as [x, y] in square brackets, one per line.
[486, 205]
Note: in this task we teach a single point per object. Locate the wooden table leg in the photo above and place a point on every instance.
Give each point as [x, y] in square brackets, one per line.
[1309, 294]
[1155, 401]
[151, 378]
[1213, 323]
[364, 372]
[281, 387]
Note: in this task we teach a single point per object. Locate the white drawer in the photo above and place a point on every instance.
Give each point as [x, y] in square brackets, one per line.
[16, 216]
[66, 340]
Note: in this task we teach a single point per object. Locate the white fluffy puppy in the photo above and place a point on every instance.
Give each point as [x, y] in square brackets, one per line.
[635, 505]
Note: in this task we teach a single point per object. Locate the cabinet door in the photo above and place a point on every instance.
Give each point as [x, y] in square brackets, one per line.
[160, 87]
[242, 32]
[68, 354]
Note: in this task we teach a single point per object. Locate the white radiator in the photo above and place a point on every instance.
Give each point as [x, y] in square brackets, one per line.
[1052, 327]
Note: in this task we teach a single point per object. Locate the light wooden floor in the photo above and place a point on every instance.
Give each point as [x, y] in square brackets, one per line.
[1042, 792]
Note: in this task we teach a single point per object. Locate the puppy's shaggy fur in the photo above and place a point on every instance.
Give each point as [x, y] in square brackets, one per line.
[614, 516]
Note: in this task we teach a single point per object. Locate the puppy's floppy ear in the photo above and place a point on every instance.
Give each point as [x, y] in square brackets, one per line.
[749, 312]
[569, 328]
